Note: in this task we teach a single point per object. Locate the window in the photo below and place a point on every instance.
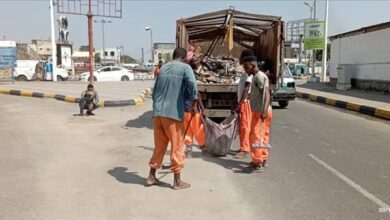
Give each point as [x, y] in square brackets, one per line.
[41, 49]
[112, 53]
[116, 69]
[105, 53]
[47, 49]
[159, 56]
[106, 69]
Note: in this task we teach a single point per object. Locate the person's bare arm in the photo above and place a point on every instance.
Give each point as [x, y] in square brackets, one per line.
[267, 100]
[243, 97]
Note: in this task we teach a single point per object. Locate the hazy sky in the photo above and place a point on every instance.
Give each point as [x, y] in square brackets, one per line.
[23, 20]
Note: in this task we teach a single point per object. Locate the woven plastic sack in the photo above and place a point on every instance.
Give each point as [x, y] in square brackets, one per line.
[219, 137]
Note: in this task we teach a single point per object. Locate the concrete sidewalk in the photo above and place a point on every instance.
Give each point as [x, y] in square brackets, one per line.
[366, 102]
[110, 93]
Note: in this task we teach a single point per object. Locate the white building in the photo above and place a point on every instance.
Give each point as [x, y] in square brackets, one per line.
[365, 53]
[163, 51]
[110, 54]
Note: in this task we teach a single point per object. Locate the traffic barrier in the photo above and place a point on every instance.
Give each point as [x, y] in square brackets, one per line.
[71, 99]
[368, 110]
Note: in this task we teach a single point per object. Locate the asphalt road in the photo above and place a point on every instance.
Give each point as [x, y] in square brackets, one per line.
[325, 163]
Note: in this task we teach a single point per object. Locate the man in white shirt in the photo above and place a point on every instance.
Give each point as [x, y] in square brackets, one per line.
[243, 106]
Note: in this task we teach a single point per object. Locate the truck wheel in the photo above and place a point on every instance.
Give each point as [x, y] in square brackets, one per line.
[59, 78]
[125, 78]
[283, 104]
[22, 78]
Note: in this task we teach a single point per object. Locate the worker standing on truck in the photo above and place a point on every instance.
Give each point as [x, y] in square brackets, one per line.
[175, 81]
[243, 105]
[260, 101]
[193, 124]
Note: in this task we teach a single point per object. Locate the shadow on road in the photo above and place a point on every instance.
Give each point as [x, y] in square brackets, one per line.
[143, 121]
[122, 175]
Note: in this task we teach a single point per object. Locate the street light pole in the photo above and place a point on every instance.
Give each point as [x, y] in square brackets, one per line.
[53, 42]
[104, 46]
[151, 42]
[325, 50]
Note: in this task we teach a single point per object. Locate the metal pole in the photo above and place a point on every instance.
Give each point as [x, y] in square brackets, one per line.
[314, 51]
[325, 50]
[300, 49]
[143, 58]
[104, 45]
[90, 42]
[53, 42]
[151, 45]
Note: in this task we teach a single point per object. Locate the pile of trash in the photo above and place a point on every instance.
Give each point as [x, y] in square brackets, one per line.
[224, 70]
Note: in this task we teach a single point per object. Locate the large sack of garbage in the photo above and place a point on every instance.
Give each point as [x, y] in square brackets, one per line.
[219, 137]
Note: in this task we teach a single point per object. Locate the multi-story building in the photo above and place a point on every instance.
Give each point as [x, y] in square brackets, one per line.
[43, 48]
[109, 55]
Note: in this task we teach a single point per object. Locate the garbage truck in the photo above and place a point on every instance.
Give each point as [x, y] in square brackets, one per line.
[218, 38]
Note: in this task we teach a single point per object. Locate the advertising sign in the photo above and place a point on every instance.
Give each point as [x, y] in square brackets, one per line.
[314, 37]
[7, 54]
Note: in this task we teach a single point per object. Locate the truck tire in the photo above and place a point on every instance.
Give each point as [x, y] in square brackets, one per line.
[21, 78]
[59, 78]
[283, 104]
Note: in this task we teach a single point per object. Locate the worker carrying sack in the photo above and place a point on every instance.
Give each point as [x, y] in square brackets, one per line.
[219, 137]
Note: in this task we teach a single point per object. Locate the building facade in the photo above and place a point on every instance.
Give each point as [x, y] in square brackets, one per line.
[43, 48]
[163, 51]
[109, 55]
[365, 53]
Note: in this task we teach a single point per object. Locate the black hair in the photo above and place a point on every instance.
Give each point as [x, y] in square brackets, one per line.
[252, 58]
[179, 53]
[246, 53]
[90, 86]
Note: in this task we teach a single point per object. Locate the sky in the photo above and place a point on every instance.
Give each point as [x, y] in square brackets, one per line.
[24, 20]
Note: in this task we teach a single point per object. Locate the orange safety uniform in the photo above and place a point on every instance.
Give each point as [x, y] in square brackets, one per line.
[266, 128]
[168, 130]
[245, 126]
[196, 129]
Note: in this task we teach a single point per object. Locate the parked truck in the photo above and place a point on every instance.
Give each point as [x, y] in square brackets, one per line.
[261, 33]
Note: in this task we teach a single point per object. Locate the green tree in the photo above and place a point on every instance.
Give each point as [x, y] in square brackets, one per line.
[127, 59]
[85, 48]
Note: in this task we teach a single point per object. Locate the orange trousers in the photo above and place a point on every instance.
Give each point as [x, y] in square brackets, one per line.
[267, 127]
[259, 136]
[168, 130]
[245, 126]
[195, 130]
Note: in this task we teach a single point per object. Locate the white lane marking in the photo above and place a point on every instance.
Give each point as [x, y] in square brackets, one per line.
[350, 182]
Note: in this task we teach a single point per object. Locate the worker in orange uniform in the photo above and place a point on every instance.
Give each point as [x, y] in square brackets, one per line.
[175, 82]
[260, 101]
[193, 122]
[242, 107]
[265, 67]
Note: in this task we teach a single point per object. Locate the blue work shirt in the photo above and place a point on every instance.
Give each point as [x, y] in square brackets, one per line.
[175, 83]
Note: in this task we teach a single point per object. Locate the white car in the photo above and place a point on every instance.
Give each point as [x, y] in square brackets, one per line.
[109, 73]
[25, 71]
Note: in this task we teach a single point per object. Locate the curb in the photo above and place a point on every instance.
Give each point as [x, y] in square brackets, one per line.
[367, 110]
[71, 99]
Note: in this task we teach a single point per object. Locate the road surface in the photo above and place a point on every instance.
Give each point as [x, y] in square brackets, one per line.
[325, 163]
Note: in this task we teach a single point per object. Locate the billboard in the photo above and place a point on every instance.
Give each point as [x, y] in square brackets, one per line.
[314, 37]
[7, 54]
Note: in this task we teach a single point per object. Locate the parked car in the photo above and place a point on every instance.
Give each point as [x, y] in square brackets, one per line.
[298, 69]
[109, 73]
[25, 71]
[286, 90]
